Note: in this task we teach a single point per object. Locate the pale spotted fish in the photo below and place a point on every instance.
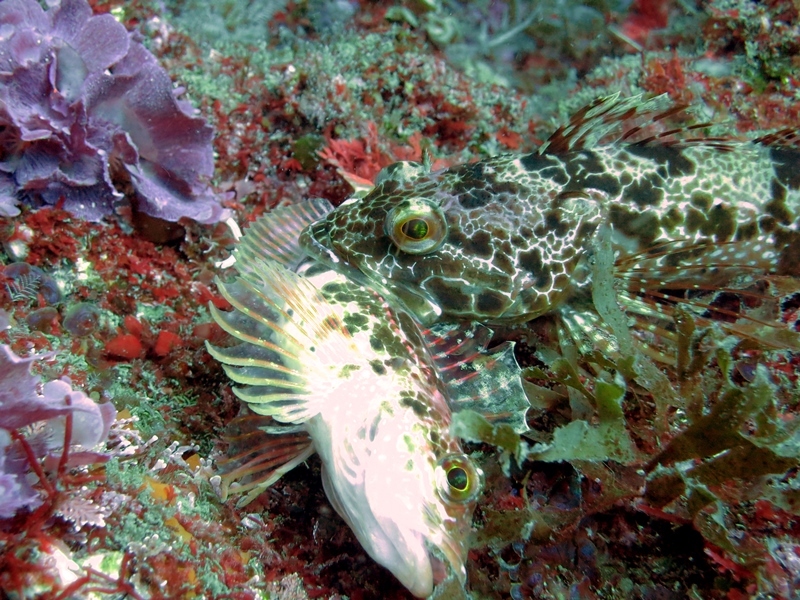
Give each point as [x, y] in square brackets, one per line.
[345, 375]
[507, 239]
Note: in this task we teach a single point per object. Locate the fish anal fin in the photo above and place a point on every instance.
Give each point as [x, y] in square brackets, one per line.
[259, 453]
[751, 315]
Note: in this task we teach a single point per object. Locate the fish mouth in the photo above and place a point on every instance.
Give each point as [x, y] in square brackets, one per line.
[446, 554]
[316, 241]
[429, 565]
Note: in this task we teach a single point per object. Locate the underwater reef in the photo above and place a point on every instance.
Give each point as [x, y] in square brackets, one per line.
[131, 130]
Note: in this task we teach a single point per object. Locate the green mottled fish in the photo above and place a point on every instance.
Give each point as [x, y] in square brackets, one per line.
[345, 375]
[509, 238]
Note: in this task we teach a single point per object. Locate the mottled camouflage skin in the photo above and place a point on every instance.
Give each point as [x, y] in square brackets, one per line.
[519, 228]
[393, 420]
[324, 353]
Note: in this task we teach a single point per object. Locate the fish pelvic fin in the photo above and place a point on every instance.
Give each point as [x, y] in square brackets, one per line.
[259, 453]
[291, 341]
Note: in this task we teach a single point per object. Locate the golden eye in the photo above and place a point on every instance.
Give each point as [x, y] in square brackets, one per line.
[416, 226]
[458, 479]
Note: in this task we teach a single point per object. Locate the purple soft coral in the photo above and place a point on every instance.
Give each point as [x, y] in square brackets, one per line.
[82, 105]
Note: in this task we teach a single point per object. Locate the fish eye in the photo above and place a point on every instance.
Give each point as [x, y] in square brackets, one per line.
[458, 479]
[416, 227]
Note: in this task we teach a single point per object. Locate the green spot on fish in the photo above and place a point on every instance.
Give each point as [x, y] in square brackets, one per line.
[376, 343]
[377, 367]
[415, 404]
[346, 372]
[355, 322]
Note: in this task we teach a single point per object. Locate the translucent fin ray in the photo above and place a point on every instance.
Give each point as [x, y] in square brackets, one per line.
[290, 335]
[275, 235]
[488, 382]
[259, 454]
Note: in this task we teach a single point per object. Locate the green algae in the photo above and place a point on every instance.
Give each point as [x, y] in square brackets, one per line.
[607, 439]
[147, 527]
[473, 427]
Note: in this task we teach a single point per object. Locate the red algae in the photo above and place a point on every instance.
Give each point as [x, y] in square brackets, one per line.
[125, 346]
[166, 342]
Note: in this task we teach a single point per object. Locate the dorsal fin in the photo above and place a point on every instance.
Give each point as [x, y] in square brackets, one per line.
[604, 120]
[274, 236]
[783, 138]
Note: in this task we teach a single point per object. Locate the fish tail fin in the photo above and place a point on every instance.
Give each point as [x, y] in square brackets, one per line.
[259, 453]
[289, 338]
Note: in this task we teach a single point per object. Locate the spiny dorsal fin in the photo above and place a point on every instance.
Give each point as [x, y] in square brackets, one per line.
[274, 236]
[603, 122]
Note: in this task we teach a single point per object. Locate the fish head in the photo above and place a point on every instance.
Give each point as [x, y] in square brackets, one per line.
[489, 241]
[412, 514]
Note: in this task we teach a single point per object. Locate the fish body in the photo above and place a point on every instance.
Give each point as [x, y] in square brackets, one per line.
[508, 239]
[330, 359]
